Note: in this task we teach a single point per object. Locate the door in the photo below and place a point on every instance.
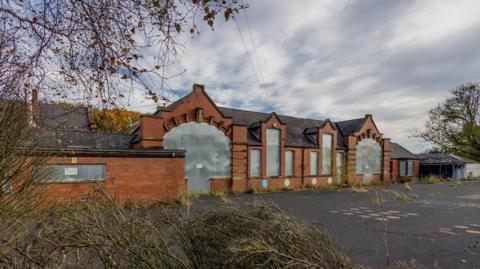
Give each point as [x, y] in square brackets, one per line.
[208, 153]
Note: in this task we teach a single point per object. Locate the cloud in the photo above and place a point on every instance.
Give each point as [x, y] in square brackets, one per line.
[338, 60]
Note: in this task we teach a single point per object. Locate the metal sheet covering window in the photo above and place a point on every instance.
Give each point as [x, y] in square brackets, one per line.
[273, 152]
[208, 153]
[410, 168]
[255, 163]
[289, 162]
[340, 167]
[369, 157]
[402, 168]
[327, 140]
[313, 163]
[78, 172]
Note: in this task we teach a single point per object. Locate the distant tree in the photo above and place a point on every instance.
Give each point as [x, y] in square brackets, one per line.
[114, 120]
[454, 125]
[89, 47]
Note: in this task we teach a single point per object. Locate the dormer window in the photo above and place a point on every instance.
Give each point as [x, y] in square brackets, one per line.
[311, 135]
[255, 132]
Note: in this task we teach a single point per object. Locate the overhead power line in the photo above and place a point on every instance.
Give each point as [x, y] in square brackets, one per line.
[253, 45]
[246, 50]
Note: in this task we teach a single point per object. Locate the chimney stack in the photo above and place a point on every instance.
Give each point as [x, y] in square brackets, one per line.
[35, 108]
[91, 122]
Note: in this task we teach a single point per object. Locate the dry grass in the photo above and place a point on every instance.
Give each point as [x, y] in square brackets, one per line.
[95, 234]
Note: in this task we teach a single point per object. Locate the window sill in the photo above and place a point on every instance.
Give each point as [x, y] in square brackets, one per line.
[73, 181]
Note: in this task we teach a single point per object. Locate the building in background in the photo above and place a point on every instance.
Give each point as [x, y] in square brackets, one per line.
[193, 145]
[403, 163]
[447, 165]
[233, 149]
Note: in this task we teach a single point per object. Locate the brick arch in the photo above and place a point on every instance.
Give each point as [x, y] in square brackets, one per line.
[370, 133]
[199, 117]
[218, 128]
[208, 153]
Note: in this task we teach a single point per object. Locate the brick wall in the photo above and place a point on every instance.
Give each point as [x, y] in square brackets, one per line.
[140, 179]
[395, 174]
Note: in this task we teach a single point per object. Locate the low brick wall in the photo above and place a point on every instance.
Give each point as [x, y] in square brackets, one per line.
[139, 179]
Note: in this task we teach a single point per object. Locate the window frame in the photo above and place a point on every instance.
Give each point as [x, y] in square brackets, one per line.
[250, 162]
[324, 173]
[292, 163]
[53, 180]
[409, 167]
[316, 163]
[277, 168]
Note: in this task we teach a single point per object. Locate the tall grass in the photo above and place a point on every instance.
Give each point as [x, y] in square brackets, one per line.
[101, 234]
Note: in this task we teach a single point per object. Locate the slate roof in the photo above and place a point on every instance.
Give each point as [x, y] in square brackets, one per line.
[348, 127]
[68, 127]
[71, 127]
[442, 158]
[399, 152]
[74, 139]
[58, 116]
[295, 126]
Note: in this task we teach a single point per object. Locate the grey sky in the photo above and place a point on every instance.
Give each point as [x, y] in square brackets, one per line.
[339, 60]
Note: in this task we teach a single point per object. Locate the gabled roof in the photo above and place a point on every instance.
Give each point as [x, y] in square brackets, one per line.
[348, 127]
[295, 126]
[399, 152]
[442, 158]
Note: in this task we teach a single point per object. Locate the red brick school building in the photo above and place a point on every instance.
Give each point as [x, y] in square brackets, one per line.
[194, 146]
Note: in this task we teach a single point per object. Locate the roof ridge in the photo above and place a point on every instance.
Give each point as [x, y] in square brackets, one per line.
[269, 113]
[363, 118]
[87, 131]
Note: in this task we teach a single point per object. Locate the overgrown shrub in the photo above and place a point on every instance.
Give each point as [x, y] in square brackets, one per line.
[97, 234]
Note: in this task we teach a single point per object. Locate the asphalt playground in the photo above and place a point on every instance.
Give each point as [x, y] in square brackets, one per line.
[434, 224]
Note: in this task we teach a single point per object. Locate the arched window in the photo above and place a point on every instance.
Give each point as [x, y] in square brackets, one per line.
[369, 157]
[208, 153]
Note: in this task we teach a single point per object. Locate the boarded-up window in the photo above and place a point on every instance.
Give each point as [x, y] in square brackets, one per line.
[402, 168]
[255, 163]
[77, 172]
[327, 154]
[410, 169]
[368, 157]
[289, 163]
[273, 152]
[313, 163]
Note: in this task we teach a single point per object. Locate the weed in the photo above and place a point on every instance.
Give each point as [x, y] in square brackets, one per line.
[225, 200]
[359, 189]
[253, 191]
[407, 186]
[101, 234]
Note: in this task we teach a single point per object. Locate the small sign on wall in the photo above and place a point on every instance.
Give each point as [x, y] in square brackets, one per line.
[71, 171]
[199, 165]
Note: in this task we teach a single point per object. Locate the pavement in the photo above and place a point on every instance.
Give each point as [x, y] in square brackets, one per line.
[434, 224]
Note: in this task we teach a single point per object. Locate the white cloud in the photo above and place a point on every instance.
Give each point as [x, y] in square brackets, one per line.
[339, 59]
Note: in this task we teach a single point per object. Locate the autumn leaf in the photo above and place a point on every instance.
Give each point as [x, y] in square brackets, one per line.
[178, 27]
